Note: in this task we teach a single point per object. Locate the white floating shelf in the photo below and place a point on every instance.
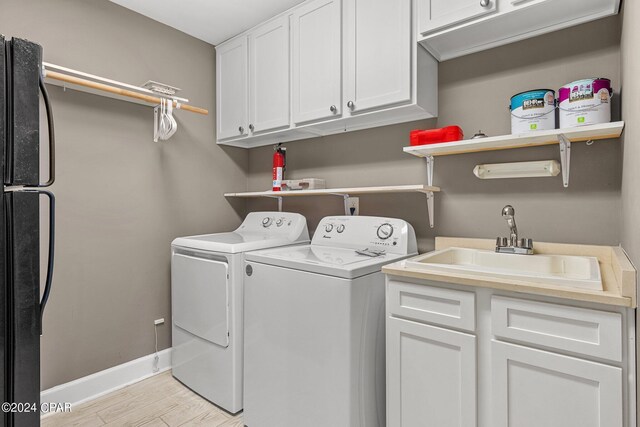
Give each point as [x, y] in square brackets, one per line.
[562, 137]
[345, 193]
[532, 139]
[339, 191]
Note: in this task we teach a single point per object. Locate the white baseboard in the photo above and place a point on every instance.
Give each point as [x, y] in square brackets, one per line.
[103, 382]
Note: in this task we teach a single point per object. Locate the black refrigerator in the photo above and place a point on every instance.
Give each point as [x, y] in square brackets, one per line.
[21, 300]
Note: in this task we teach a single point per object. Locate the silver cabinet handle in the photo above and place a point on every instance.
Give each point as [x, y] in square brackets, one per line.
[485, 3]
[351, 105]
[333, 109]
[241, 129]
[251, 128]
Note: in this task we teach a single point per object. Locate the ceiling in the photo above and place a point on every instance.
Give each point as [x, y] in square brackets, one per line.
[213, 21]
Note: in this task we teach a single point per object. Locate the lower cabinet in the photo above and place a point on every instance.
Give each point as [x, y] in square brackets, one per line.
[431, 376]
[533, 388]
[522, 363]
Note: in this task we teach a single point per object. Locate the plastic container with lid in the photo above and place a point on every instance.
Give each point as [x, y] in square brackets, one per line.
[435, 136]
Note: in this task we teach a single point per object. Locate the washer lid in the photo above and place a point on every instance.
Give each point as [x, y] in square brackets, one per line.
[330, 261]
[233, 242]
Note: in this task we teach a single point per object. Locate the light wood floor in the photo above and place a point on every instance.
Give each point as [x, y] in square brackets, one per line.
[159, 401]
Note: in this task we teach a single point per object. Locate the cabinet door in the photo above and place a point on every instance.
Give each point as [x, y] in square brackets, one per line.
[317, 61]
[231, 89]
[378, 53]
[533, 388]
[436, 14]
[269, 76]
[431, 376]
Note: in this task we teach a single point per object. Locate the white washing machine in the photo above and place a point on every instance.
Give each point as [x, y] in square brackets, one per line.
[314, 325]
[207, 299]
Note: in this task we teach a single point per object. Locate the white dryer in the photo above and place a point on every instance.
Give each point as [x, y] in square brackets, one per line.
[314, 325]
[207, 300]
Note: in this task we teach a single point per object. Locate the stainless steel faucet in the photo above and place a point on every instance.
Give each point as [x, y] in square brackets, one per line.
[508, 213]
[511, 245]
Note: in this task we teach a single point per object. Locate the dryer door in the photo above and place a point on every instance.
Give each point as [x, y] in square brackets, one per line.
[200, 293]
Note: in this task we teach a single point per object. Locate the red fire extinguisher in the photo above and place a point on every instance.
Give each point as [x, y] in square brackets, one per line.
[279, 165]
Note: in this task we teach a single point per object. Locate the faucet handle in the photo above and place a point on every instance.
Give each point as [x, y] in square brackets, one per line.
[526, 243]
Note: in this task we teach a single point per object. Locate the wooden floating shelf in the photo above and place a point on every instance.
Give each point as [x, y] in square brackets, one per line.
[533, 139]
[339, 191]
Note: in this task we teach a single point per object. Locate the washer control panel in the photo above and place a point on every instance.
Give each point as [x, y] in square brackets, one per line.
[385, 231]
[365, 232]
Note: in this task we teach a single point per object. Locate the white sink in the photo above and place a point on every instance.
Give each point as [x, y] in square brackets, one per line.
[563, 270]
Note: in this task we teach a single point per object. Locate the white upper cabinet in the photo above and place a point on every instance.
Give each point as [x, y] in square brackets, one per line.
[436, 14]
[324, 67]
[317, 61]
[452, 28]
[378, 53]
[269, 76]
[231, 89]
[329, 66]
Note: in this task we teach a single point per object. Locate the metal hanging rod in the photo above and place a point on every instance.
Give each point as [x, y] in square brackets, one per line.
[94, 84]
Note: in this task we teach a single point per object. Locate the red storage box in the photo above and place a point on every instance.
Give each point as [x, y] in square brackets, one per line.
[434, 136]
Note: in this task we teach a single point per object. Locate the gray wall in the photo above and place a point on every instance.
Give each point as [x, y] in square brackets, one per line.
[474, 92]
[631, 147]
[121, 197]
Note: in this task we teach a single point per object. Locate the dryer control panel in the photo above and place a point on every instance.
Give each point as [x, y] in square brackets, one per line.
[274, 224]
[361, 232]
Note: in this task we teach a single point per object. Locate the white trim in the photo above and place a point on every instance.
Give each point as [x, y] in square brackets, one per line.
[103, 382]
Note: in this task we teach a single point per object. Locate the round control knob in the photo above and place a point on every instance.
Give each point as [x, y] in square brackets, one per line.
[340, 228]
[266, 222]
[385, 231]
[328, 228]
[279, 222]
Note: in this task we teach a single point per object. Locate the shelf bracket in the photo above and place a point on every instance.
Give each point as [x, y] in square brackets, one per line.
[430, 165]
[430, 207]
[155, 123]
[279, 202]
[565, 158]
[345, 200]
[430, 196]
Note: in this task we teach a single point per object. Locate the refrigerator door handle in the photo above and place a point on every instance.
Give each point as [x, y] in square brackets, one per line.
[52, 239]
[52, 136]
